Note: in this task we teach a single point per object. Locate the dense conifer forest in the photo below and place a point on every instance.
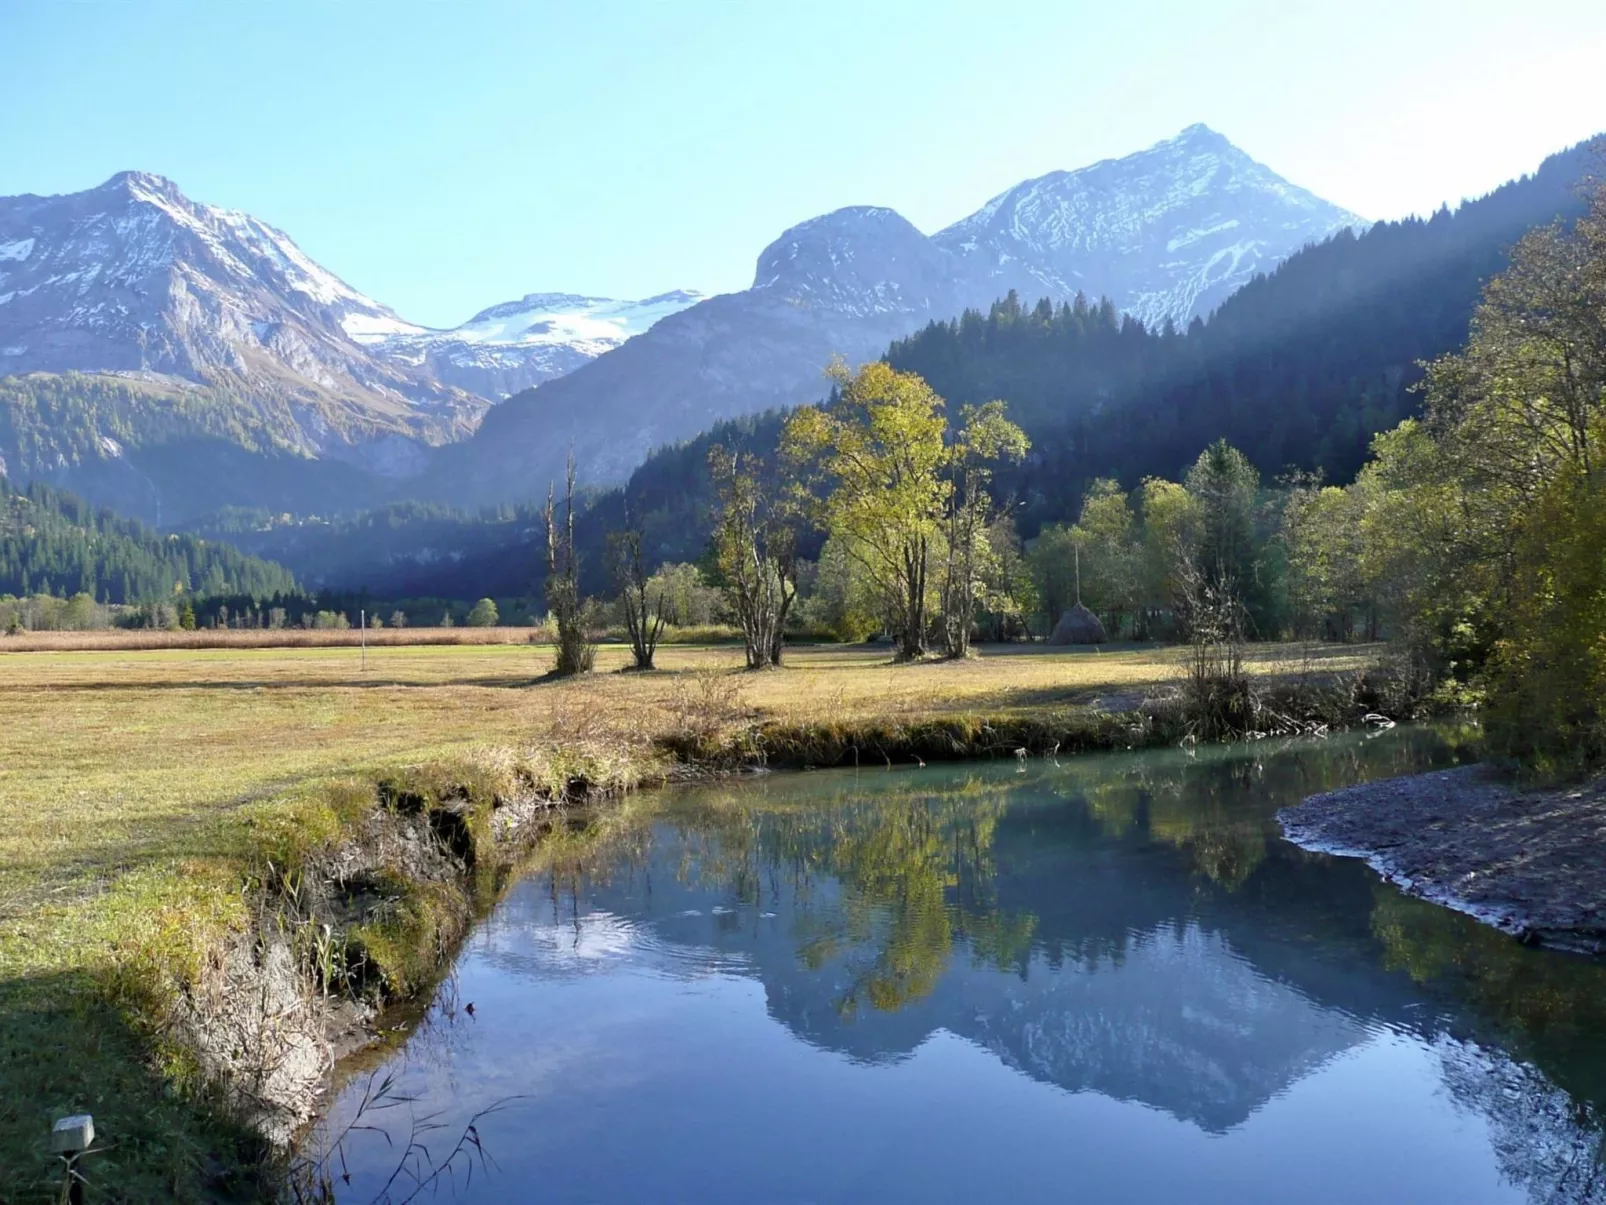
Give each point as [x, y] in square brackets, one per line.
[1299, 369]
[53, 542]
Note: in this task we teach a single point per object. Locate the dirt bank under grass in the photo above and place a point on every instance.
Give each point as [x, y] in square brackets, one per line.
[1531, 863]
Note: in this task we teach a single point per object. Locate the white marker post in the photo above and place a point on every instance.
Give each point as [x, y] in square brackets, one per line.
[71, 1138]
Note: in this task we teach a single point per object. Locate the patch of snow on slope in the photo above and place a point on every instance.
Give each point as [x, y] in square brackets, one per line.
[374, 328]
[1193, 236]
[19, 250]
[586, 323]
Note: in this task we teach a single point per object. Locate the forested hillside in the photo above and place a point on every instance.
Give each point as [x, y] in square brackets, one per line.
[164, 450]
[410, 549]
[55, 543]
[1299, 369]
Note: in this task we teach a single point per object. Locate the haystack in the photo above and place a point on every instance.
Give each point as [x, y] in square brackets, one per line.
[1078, 626]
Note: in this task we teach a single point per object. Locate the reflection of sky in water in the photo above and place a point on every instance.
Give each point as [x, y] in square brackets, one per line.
[823, 991]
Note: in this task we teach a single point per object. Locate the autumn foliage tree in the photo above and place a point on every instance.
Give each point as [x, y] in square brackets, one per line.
[907, 503]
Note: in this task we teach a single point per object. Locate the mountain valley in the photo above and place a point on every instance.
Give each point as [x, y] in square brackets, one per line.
[241, 351]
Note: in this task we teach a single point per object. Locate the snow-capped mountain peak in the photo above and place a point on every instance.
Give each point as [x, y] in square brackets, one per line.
[518, 344]
[1167, 232]
[249, 248]
[134, 276]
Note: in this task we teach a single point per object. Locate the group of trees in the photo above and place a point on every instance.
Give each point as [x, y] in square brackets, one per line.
[901, 497]
[914, 542]
[1480, 529]
[904, 497]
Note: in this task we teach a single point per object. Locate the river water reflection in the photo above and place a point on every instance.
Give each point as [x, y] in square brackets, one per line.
[1103, 980]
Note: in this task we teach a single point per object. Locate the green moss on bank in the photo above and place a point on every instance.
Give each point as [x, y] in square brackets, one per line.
[937, 738]
[101, 1033]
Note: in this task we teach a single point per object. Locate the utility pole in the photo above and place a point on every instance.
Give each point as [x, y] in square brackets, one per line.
[362, 626]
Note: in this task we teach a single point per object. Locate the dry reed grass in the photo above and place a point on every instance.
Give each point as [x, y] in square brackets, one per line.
[128, 640]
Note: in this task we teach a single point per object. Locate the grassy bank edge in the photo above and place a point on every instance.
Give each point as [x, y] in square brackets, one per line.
[352, 895]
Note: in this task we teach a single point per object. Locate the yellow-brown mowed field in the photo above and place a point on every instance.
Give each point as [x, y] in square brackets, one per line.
[110, 759]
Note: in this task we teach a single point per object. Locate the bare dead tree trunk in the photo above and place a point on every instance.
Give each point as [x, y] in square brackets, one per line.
[644, 609]
[757, 555]
[576, 654]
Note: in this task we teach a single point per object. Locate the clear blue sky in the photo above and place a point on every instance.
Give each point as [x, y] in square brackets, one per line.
[444, 157]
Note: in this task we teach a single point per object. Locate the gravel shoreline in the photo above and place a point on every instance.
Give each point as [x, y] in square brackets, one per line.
[1531, 863]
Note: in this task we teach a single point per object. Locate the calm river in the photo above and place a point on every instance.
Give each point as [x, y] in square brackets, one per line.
[1102, 980]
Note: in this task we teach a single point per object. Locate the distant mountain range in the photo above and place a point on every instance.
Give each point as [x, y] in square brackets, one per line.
[133, 277]
[1166, 233]
[1299, 369]
[221, 327]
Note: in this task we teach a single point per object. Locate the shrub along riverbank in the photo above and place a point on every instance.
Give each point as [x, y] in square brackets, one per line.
[215, 865]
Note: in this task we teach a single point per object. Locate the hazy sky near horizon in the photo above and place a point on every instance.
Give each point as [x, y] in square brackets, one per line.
[443, 157]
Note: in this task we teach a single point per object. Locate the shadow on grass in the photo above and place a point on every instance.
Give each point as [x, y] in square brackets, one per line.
[64, 1050]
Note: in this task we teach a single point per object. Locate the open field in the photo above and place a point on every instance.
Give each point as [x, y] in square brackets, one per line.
[109, 760]
[135, 787]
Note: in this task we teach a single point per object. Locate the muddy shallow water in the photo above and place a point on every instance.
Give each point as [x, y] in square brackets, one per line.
[1107, 979]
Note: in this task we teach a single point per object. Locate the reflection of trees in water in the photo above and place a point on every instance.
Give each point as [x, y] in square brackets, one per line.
[1217, 804]
[912, 867]
[890, 877]
[1201, 813]
[1540, 1090]
[910, 860]
[1542, 1007]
